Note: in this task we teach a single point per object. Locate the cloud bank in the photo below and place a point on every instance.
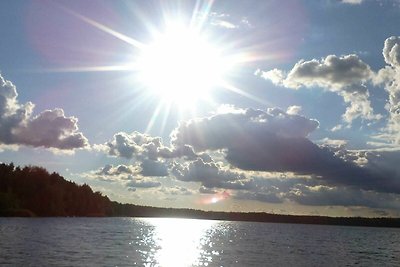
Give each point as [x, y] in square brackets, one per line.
[263, 155]
[275, 141]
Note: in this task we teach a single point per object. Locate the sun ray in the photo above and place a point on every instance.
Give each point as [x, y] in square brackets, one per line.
[129, 67]
[166, 114]
[180, 68]
[241, 92]
[200, 13]
[105, 29]
[154, 117]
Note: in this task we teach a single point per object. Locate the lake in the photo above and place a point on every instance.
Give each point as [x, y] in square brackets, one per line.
[187, 242]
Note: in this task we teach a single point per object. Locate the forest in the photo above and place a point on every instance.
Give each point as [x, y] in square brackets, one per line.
[32, 191]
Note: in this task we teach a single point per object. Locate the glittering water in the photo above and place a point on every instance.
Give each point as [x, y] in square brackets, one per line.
[183, 242]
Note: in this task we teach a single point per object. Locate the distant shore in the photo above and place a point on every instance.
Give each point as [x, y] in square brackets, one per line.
[33, 192]
[130, 210]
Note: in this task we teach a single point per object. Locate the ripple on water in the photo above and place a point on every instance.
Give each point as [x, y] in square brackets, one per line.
[180, 242]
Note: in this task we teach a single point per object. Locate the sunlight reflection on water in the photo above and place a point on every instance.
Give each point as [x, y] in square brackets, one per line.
[180, 241]
[152, 242]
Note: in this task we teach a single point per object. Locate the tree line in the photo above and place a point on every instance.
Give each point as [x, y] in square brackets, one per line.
[33, 191]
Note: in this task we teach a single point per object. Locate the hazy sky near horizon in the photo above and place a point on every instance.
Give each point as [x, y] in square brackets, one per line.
[284, 106]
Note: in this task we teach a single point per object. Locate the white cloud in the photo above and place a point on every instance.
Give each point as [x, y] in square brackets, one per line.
[345, 75]
[390, 77]
[49, 129]
[143, 146]
[391, 51]
[293, 110]
[352, 2]
[333, 142]
[223, 24]
[225, 21]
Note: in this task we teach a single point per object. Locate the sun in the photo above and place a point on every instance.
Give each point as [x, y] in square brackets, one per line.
[181, 65]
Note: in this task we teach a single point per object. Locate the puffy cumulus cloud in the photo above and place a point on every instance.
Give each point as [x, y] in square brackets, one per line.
[391, 51]
[145, 168]
[49, 129]
[140, 175]
[332, 72]
[126, 145]
[109, 169]
[390, 77]
[143, 146]
[345, 75]
[360, 105]
[209, 174]
[272, 141]
[247, 126]
[113, 174]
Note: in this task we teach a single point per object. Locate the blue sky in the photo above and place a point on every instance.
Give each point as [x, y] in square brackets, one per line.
[283, 106]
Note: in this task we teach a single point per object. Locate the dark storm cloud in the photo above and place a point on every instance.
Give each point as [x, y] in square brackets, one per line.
[49, 129]
[274, 141]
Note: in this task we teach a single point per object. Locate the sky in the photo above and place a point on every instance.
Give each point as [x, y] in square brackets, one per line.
[288, 107]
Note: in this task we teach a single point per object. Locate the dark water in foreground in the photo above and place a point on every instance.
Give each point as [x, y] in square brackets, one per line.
[184, 242]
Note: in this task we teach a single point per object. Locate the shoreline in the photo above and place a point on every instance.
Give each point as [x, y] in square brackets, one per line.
[132, 211]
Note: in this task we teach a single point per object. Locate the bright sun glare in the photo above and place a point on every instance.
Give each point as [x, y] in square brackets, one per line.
[181, 241]
[181, 65]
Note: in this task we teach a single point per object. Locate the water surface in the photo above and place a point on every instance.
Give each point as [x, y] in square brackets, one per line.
[185, 242]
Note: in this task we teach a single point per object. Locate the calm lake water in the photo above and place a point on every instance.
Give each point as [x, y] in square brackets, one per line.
[185, 242]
